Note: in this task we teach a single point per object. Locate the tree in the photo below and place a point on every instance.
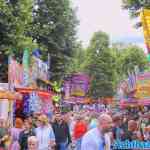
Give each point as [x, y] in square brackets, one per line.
[133, 56]
[100, 65]
[15, 21]
[49, 25]
[128, 57]
[134, 7]
[77, 61]
[54, 27]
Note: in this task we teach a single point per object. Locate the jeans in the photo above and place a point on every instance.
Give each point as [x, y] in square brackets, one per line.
[78, 144]
[63, 146]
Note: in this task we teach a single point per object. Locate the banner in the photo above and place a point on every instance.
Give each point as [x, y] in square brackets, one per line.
[15, 74]
[4, 86]
[76, 87]
[145, 19]
[26, 78]
[39, 69]
[143, 86]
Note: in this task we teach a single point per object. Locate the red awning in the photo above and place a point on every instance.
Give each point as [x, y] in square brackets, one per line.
[41, 93]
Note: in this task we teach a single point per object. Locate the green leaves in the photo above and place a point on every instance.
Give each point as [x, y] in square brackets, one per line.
[76, 63]
[15, 20]
[134, 7]
[48, 24]
[133, 56]
[106, 65]
[54, 27]
[99, 65]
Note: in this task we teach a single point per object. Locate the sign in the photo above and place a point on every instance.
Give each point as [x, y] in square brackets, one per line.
[76, 87]
[141, 94]
[4, 86]
[145, 19]
[15, 74]
[25, 64]
[39, 69]
[143, 86]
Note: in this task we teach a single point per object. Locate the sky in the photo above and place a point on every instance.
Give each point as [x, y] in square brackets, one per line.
[108, 16]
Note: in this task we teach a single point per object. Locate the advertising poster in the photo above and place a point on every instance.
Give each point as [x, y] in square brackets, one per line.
[15, 74]
[26, 77]
[4, 103]
[76, 87]
[143, 87]
[39, 69]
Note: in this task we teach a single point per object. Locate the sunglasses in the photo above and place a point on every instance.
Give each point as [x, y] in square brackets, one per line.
[39, 120]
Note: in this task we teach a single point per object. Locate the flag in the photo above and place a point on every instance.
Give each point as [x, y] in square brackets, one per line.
[132, 81]
[25, 61]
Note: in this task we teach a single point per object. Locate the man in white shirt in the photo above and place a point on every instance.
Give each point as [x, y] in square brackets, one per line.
[95, 138]
[44, 134]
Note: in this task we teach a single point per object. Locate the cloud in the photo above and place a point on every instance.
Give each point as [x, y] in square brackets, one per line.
[108, 16]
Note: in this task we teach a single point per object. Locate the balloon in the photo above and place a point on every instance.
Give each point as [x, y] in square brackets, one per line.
[56, 87]
[56, 98]
[148, 57]
[37, 52]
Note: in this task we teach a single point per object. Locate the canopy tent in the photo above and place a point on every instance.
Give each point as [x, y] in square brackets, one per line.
[10, 95]
[41, 93]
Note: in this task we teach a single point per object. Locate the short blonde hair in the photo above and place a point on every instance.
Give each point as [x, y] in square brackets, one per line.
[33, 139]
[44, 119]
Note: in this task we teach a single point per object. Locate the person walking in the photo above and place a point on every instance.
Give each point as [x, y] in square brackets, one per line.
[62, 132]
[94, 139]
[3, 134]
[80, 129]
[27, 132]
[44, 134]
[32, 143]
[15, 133]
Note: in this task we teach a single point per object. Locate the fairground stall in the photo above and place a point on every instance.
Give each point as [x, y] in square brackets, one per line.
[7, 98]
[75, 89]
[135, 91]
[30, 79]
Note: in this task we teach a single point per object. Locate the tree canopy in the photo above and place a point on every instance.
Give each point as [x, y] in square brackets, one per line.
[107, 65]
[54, 27]
[134, 7]
[49, 25]
[100, 65]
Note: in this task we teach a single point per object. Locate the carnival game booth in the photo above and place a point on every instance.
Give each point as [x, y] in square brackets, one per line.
[34, 101]
[31, 80]
[75, 88]
[7, 98]
[139, 94]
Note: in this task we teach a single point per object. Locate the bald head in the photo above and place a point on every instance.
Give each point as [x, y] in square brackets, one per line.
[104, 117]
[32, 143]
[33, 139]
[132, 125]
[105, 122]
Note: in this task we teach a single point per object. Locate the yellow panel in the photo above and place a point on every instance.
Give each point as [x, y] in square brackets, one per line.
[147, 12]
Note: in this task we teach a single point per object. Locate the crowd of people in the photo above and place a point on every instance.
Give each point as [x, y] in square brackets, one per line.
[82, 130]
